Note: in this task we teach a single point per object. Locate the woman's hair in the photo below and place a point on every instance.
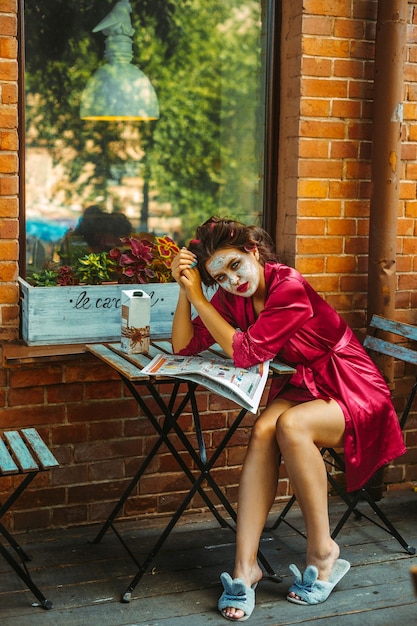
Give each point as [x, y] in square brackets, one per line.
[217, 233]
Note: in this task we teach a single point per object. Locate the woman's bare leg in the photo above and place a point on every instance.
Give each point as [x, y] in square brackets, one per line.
[257, 491]
[297, 432]
[301, 432]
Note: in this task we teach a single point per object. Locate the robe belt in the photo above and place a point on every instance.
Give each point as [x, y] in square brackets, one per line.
[305, 374]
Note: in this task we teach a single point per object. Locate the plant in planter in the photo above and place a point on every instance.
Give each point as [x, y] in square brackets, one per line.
[144, 258]
[91, 269]
[95, 268]
[83, 313]
[44, 278]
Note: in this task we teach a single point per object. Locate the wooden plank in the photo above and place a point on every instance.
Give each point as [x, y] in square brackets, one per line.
[163, 345]
[182, 587]
[20, 452]
[281, 368]
[390, 349]
[7, 465]
[14, 354]
[119, 363]
[41, 450]
[391, 326]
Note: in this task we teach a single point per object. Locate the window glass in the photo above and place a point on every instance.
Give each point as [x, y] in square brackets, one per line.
[92, 182]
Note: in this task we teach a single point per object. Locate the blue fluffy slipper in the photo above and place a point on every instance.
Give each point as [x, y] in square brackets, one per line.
[310, 589]
[236, 595]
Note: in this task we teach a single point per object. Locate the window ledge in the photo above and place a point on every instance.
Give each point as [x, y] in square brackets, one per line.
[16, 354]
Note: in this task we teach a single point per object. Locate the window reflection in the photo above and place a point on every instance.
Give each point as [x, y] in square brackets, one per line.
[204, 155]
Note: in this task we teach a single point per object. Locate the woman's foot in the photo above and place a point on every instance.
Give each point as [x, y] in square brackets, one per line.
[323, 562]
[251, 577]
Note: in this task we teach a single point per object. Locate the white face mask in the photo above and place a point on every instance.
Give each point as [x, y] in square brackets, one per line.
[235, 271]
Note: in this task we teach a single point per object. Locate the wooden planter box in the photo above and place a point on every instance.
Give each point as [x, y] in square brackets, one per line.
[90, 313]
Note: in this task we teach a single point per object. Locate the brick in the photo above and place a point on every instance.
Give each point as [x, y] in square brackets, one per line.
[315, 107]
[313, 265]
[346, 108]
[8, 70]
[342, 264]
[103, 389]
[316, 66]
[28, 395]
[349, 29]
[49, 375]
[321, 87]
[313, 148]
[311, 226]
[344, 150]
[319, 208]
[72, 392]
[8, 47]
[8, 163]
[321, 129]
[324, 283]
[10, 314]
[9, 94]
[9, 185]
[343, 189]
[9, 207]
[312, 189]
[317, 25]
[361, 89]
[9, 293]
[341, 226]
[9, 6]
[323, 7]
[8, 272]
[320, 169]
[315, 245]
[358, 169]
[9, 229]
[8, 23]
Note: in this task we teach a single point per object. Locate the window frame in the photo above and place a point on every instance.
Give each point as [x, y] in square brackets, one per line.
[273, 12]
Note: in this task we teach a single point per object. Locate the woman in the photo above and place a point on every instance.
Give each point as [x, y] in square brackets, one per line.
[337, 397]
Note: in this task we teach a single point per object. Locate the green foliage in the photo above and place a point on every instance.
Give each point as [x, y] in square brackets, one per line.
[95, 268]
[45, 278]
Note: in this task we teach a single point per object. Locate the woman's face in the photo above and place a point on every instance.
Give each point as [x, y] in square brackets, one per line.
[235, 271]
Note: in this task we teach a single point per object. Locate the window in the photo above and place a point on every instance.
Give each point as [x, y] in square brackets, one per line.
[209, 62]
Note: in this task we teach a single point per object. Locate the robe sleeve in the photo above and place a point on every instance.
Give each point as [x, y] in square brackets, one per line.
[202, 339]
[287, 309]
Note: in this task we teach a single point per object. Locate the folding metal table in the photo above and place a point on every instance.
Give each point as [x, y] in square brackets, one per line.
[129, 367]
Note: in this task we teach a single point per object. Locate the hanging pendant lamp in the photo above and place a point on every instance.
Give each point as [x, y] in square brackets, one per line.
[118, 90]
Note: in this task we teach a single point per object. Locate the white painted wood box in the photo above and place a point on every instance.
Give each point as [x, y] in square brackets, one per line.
[88, 313]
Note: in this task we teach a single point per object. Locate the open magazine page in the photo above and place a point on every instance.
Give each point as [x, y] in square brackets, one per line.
[244, 386]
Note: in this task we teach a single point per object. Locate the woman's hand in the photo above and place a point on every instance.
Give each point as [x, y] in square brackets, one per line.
[185, 272]
[184, 260]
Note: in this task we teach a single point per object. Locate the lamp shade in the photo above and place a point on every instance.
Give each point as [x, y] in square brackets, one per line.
[119, 91]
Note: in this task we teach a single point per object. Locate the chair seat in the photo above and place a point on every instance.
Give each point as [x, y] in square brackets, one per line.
[22, 453]
[25, 452]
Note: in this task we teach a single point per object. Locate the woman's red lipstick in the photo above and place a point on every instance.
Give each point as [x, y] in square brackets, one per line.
[242, 288]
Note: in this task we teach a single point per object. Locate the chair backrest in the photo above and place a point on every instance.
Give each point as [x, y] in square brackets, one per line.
[400, 352]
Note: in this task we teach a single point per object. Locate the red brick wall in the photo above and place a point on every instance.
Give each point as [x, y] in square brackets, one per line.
[81, 407]
[9, 228]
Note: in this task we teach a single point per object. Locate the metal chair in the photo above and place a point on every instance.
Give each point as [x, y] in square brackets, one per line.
[22, 453]
[334, 459]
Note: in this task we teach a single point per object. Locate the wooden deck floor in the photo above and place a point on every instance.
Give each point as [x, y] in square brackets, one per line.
[85, 581]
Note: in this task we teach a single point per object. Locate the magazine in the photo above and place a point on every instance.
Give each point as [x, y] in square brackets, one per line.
[243, 386]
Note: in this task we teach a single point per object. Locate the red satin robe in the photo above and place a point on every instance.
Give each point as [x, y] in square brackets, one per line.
[299, 328]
